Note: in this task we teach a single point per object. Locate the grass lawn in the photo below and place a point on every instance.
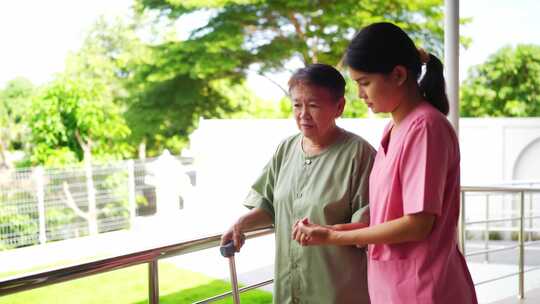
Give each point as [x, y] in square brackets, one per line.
[130, 285]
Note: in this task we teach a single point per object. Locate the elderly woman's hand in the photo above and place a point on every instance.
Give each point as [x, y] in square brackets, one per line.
[234, 234]
[306, 233]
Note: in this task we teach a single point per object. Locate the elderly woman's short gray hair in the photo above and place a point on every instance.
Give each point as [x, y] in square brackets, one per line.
[320, 75]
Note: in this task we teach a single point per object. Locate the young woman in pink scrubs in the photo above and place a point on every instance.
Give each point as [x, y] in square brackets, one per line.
[413, 255]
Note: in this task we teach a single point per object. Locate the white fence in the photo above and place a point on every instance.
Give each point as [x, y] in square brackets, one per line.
[40, 205]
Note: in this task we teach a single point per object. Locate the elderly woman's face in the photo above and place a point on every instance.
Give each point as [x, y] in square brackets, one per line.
[315, 110]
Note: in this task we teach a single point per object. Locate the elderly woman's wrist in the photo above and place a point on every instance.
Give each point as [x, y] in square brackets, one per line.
[240, 224]
[245, 223]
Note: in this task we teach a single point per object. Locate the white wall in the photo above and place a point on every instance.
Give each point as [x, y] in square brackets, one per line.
[229, 154]
[490, 148]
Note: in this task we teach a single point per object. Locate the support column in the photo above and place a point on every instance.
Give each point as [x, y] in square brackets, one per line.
[451, 58]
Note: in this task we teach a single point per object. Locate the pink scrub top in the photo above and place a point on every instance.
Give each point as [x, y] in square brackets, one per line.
[417, 170]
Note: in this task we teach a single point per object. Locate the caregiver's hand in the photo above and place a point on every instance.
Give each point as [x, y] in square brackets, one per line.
[307, 234]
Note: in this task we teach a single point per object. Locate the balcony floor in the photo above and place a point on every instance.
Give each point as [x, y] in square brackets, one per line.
[531, 296]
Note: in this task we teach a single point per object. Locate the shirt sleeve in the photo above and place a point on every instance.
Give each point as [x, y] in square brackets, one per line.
[255, 200]
[423, 167]
[261, 194]
[360, 184]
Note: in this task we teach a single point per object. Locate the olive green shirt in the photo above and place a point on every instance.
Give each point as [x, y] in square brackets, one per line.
[329, 188]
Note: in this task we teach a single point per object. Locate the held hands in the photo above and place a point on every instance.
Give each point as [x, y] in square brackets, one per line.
[306, 233]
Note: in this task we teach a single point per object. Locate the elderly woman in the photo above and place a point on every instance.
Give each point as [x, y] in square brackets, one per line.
[321, 173]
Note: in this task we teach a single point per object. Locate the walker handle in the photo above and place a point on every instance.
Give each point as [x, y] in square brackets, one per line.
[227, 250]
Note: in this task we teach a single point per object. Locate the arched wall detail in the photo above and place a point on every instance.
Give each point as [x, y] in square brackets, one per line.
[527, 164]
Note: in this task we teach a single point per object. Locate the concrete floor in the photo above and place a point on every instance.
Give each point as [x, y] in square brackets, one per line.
[531, 297]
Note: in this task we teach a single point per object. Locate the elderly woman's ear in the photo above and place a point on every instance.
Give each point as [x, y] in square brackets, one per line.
[340, 107]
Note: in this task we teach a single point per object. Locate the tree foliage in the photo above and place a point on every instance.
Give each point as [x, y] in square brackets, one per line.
[15, 100]
[84, 106]
[155, 85]
[179, 85]
[72, 114]
[183, 81]
[271, 32]
[507, 84]
[246, 104]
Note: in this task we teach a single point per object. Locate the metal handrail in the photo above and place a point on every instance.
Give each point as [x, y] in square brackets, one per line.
[532, 242]
[150, 256]
[521, 218]
[480, 252]
[505, 276]
[504, 248]
[499, 189]
[241, 290]
[508, 219]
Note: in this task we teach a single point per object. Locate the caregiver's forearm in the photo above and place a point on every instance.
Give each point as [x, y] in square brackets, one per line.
[413, 227]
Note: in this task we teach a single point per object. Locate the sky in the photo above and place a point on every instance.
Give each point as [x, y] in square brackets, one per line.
[497, 23]
[36, 35]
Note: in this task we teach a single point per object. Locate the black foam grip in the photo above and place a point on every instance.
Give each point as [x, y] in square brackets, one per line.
[227, 250]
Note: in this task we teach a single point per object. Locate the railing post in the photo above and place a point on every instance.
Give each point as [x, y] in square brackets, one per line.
[451, 58]
[131, 192]
[153, 282]
[40, 185]
[462, 224]
[521, 293]
[486, 235]
[531, 214]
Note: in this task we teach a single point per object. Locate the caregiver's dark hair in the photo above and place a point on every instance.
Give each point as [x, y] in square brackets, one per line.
[379, 47]
[320, 75]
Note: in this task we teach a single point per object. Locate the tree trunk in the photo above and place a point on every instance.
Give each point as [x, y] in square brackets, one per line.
[142, 149]
[308, 59]
[92, 210]
[92, 214]
[3, 158]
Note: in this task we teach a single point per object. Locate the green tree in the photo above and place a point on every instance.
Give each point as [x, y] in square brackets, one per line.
[76, 120]
[313, 31]
[507, 84]
[182, 81]
[354, 107]
[73, 120]
[15, 100]
[111, 53]
[246, 104]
